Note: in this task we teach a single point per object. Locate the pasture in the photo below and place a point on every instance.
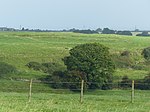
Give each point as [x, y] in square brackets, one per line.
[20, 48]
[97, 101]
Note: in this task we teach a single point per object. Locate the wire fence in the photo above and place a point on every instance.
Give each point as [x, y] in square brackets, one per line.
[119, 89]
[47, 85]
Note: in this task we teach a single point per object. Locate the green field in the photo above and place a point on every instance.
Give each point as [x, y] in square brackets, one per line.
[98, 101]
[20, 48]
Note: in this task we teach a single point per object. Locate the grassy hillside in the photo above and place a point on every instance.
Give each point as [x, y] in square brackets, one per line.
[19, 48]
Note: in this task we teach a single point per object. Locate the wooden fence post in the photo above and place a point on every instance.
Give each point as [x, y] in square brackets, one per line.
[30, 91]
[132, 92]
[81, 94]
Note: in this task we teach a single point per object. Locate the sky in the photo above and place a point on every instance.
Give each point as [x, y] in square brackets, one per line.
[82, 14]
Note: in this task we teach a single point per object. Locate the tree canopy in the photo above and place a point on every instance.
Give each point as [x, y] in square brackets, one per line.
[94, 61]
[108, 31]
[124, 33]
[86, 31]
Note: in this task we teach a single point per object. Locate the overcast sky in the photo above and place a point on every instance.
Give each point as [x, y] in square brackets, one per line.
[83, 14]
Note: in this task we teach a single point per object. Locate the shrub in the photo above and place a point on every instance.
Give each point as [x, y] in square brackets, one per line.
[6, 69]
[123, 61]
[67, 80]
[74, 80]
[50, 67]
[138, 67]
[146, 53]
[143, 84]
[57, 78]
[125, 53]
[34, 65]
[125, 83]
[44, 67]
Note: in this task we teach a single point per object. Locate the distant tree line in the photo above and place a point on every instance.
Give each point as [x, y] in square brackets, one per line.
[104, 31]
[84, 31]
[109, 31]
[144, 33]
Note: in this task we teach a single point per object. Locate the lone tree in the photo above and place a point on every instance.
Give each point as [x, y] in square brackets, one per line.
[94, 62]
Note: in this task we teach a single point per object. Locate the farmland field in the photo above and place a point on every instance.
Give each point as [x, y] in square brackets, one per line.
[20, 48]
[98, 101]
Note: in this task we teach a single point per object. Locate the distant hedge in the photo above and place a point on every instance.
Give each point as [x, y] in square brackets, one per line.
[108, 31]
[142, 84]
[86, 31]
[124, 33]
[145, 33]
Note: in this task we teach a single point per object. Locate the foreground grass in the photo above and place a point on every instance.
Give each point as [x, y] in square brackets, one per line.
[98, 101]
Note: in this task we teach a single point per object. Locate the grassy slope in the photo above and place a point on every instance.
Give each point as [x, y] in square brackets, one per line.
[19, 48]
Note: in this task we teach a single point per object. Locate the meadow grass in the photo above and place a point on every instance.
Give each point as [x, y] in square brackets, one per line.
[100, 101]
[19, 48]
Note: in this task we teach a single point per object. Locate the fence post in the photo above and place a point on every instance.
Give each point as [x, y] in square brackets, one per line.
[30, 90]
[81, 94]
[132, 92]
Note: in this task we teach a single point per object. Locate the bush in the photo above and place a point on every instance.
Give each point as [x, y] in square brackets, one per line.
[50, 67]
[143, 84]
[138, 67]
[6, 69]
[68, 80]
[123, 61]
[125, 53]
[44, 67]
[34, 65]
[57, 78]
[125, 83]
[74, 80]
[146, 53]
